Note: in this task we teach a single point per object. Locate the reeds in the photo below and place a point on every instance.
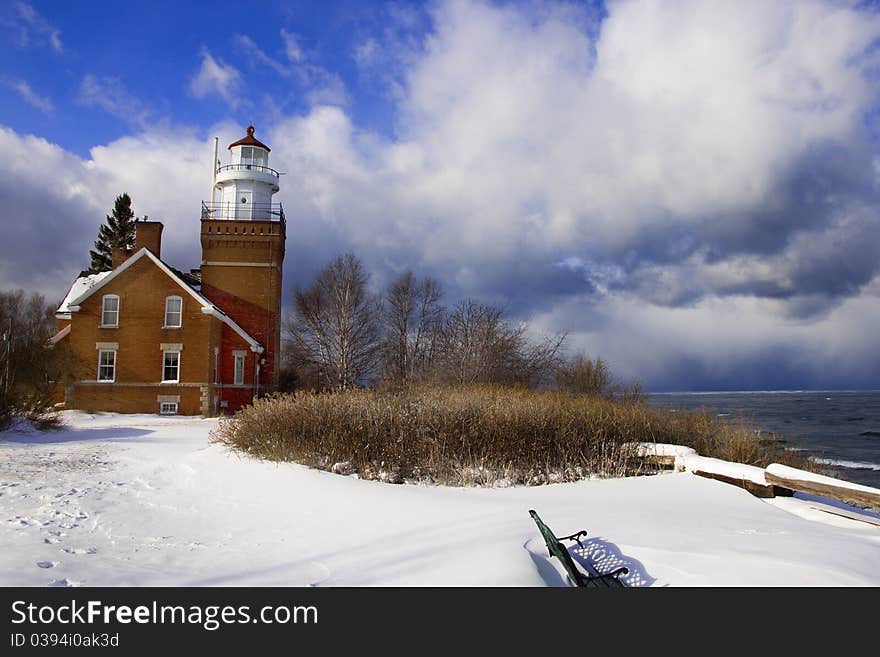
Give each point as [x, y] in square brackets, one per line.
[475, 435]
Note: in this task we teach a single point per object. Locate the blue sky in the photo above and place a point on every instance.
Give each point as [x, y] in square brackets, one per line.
[150, 52]
[689, 189]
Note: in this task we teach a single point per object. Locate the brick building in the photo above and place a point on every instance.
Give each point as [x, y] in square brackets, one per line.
[147, 338]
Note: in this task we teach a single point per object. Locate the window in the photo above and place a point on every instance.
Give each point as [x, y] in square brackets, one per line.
[168, 408]
[238, 378]
[106, 365]
[110, 310]
[170, 366]
[253, 155]
[173, 312]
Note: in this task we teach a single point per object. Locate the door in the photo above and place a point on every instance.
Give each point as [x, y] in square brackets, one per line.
[245, 211]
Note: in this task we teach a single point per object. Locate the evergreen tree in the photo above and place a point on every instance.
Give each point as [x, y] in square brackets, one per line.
[117, 231]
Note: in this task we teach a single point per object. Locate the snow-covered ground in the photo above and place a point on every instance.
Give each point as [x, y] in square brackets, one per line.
[143, 500]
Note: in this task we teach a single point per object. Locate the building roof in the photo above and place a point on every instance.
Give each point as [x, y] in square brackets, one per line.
[249, 140]
[58, 337]
[80, 286]
[85, 289]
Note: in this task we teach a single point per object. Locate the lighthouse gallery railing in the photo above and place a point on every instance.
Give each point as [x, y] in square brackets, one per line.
[253, 211]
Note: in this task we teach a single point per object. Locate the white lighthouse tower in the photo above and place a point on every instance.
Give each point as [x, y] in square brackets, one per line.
[243, 188]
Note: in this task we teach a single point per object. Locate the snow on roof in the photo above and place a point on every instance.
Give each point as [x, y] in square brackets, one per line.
[80, 286]
[72, 300]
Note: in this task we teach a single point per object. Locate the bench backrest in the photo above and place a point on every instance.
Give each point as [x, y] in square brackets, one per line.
[558, 550]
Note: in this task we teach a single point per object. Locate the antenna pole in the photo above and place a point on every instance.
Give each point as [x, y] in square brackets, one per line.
[214, 163]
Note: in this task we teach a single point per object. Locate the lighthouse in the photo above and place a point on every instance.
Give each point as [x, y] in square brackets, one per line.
[243, 234]
[243, 188]
[145, 337]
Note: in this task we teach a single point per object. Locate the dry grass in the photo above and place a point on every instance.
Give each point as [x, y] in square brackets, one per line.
[476, 435]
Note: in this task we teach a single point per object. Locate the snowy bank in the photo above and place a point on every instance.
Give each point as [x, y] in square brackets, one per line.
[144, 500]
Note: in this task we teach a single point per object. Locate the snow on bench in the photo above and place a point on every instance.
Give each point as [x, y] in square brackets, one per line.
[810, 482]
[660, 453]
[745, 476]
[775, 480]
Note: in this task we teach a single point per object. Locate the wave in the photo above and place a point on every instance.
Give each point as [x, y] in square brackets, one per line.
[854, 465]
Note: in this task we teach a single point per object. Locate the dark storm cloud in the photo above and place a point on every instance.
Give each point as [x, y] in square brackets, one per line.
[704, 221]
[49, 220]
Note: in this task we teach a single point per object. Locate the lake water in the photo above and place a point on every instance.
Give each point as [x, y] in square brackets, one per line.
[840, 430]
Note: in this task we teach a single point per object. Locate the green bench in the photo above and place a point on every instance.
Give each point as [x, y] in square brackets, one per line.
[558, 550]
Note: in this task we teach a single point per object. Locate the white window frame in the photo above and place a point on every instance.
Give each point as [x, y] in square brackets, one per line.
[168, 408]
[179, 312]
[101, 353]
[104, 310]
[247, 156]
[238, 373]
[165, 354]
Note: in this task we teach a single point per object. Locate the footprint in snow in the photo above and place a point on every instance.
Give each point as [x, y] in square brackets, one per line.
[64, 582]
[90, 550]
[51, 540]
[47, 564]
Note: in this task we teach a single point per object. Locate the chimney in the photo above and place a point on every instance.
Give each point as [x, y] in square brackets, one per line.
[148, 234]
[118, 256]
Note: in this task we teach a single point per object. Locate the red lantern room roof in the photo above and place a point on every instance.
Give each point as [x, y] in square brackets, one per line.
[249, 140]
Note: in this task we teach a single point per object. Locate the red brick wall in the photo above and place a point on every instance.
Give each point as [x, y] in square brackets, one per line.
[226, 390]
[260, 324]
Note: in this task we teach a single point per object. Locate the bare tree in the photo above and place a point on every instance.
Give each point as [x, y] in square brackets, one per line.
[478, 345]
[538, 361]
[583, 376]
[413, 315]
[335, 328]
[27, 363]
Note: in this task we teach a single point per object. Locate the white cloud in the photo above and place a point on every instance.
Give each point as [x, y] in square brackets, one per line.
[328, 89]
[291, 46]
[319, 86]
[688, 117]
[215, 77]
[166, 172]
[700, 169]
[110, 94]
[31, 97]
[31, 28]
[256, 55]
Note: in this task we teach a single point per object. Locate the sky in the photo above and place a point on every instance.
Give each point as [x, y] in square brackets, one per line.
[688, 189]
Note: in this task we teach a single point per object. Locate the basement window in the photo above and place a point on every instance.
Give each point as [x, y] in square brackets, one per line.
[168, 408]
[107, 365]
[173, 312]
[110, 311]
[170, 366]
